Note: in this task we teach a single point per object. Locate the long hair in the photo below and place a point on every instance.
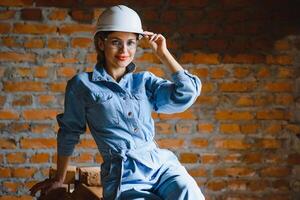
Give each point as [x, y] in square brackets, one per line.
[100, 54]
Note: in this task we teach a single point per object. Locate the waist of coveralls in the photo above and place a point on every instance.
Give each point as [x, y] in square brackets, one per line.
[142, 153]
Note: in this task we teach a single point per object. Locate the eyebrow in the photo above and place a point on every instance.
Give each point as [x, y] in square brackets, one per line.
[121, 39]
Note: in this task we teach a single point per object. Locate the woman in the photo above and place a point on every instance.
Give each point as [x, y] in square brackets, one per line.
[117, 106]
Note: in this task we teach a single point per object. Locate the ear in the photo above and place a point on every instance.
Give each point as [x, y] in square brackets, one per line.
[101, 44]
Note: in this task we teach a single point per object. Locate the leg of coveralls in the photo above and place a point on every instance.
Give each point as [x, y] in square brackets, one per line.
[176, 183]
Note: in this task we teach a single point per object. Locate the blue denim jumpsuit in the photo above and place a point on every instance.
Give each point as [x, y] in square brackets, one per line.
[119, 117]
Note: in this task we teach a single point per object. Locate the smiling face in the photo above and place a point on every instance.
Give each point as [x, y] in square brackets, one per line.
[119, 49]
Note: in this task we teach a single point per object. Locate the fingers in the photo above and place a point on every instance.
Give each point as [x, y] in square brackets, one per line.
[39, 186]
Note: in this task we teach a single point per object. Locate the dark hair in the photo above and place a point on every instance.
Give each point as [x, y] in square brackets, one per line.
[101, 36]
[100, 53]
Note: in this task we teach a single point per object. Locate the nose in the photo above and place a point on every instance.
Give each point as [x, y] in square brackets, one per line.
[123, 48]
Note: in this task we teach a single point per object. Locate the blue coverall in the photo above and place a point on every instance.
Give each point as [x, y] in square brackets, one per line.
[119, 117]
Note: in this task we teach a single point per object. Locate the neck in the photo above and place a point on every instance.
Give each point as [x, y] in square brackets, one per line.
[115, 73]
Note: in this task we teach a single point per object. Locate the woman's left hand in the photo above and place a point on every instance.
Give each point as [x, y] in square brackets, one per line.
[157, 42]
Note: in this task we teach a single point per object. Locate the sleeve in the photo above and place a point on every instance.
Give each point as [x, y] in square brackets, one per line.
[71, 123]
[172, 97]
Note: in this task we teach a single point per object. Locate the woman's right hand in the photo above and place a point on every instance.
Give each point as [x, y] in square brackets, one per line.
[45, 186]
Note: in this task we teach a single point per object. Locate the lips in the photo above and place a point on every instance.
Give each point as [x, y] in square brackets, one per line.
[122, 58]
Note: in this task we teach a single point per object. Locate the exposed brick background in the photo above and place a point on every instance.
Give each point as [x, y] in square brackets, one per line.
[240, 140]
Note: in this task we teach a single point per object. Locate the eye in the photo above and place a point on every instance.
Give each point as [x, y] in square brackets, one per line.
[131, 43]
[115, 42]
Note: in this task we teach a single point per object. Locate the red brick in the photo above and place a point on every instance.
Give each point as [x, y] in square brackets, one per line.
[207, 100]
[163, 128]
[199, 142]
[237, 185]
[237, 144]
[170, 143]
[188, 114]
[238, 86]
[58, 14]
[38, 143]
[241, 72]
[46, 99]
[243, 59]
[55, 3]
[5, 172]
[285, 72]
[31, 14]
[17, 157]
[23, 172]
[273, 128]
[205, 128]
[207, 87]
[281, 185]
[218, 73]
[7, 144]
[84, 158]
[234, 171]
[282, 45]
[7, 14]
[17, 57]
[71, 29]
[17, 127]
[271, 158]
[279, 87]
[82, 15]
[41, 128]
[200, 29]
[8, 115]
[91, 57]
[40, 158]
[81, 42]
[58, 87]
[25, 100]
[232, 158]
[249, 128]
[233, 115]
[34, 29]
[200, 72]
[230, 128]
[34, 43]
[16, 2]
[279, 60]
[24, 86]
[11, 186]
[285, 99]
[294, 159]
[215, 185]
[253, 158]
[55, 43]
[197, 172]
[275, 172]
[189, 157]
[148, 57]
[40, 72]
[23, 72]
[66, 72]
[245, 101]
[11, 42]
[217, 45]
[210, 158]
[87, 143]
[5, 28]
[2, 100]
[61, 59]
[263, 73]
[184, 128]
[156, 70]
[270, 143]
[40, 114]
[273, 114]
[207, 59]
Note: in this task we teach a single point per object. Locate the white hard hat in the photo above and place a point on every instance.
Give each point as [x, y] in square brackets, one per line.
[119, 18]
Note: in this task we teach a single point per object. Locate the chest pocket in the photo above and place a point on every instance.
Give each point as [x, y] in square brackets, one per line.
[144, 107]
[102, 110]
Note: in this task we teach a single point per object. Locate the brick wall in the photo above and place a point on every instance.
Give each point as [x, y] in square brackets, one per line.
[240, 140]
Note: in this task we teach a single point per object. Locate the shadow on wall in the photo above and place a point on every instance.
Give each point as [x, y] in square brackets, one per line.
[231, 26]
